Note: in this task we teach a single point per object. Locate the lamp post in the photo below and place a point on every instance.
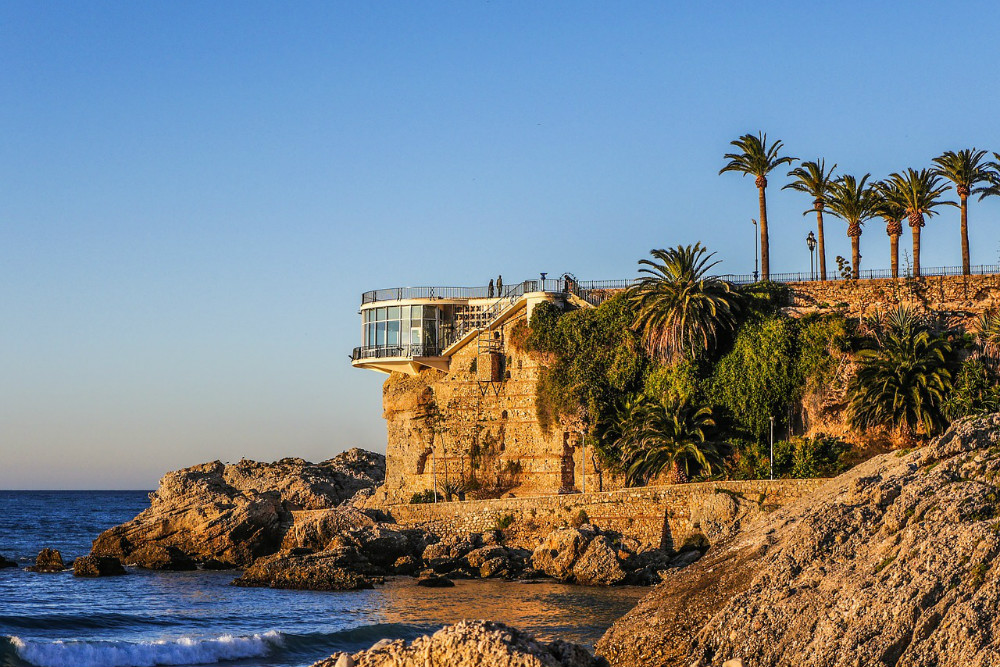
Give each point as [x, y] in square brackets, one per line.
[772, 448]
[755, 241]
[811, 243]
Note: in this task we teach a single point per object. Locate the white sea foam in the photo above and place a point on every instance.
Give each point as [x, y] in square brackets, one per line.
[180, 651]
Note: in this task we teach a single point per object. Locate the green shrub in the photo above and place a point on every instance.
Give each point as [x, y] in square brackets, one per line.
[821, 340]
[676, 383]
[758, 377]
[974, 391]
[503, 522]
[798, 458]
[425, 496]
[579, 519]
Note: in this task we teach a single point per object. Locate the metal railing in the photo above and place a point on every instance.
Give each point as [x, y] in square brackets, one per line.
[514, 290]
[865, 274]
[395, 351]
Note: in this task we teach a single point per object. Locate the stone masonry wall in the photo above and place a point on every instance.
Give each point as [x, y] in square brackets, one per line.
[662, 516]
[957, 297]
[448, 428]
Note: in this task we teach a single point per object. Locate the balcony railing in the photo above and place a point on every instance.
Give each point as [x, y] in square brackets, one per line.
[395, 352]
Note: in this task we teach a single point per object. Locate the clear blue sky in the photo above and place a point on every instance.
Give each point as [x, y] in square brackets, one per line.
[194, 195]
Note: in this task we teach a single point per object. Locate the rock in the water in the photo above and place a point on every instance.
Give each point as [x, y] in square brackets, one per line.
[237, 513]
[6, 563]
[405, 565]
[155, 556]
[470, 644]
[332, 570]
[435, 581]
[97, 566]
[892, 563]
[48, 560]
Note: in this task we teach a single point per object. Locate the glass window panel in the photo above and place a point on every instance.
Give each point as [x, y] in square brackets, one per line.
[371, 335]
[404, 313]
[380, 316]
[380, 333]
[392, 332]
[430, 335]
[415, 335]
[404, 335]
[393, 313]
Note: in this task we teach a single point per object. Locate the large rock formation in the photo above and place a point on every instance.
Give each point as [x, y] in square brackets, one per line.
[469, 644]
[234, 514]
[892, 563]
[97, 566]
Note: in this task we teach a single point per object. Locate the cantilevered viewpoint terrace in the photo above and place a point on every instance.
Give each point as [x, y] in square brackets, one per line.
[406, 328]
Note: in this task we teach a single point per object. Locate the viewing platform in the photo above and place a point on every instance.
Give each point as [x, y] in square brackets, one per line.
[408, 328]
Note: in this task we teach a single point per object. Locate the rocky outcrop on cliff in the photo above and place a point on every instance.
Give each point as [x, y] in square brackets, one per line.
[234, 514]
[892, 563]
[469, 644]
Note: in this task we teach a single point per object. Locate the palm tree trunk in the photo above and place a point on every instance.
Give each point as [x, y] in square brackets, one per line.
[822, 246]
[677, 474]
[894, 254]
[965, 235]
[765, 248]
[855, 257]
[916, 250]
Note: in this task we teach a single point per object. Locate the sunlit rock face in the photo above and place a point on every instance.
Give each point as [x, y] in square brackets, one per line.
[890, 563]
[234, 514]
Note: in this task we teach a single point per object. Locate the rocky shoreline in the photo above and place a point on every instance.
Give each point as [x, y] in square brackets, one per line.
[891, 563]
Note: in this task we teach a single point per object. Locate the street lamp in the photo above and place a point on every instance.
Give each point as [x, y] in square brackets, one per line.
[755, 235]
[811, 242]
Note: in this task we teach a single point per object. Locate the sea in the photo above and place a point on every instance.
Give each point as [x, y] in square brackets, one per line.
[197, 618]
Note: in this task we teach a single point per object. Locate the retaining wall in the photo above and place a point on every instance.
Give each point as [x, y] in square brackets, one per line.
[662, 516]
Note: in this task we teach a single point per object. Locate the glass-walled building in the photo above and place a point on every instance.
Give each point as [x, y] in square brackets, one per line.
[401, 331]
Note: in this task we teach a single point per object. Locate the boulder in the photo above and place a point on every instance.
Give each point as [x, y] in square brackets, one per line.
[495, 567]
[237, 513]
[559, 551]
[97, 566]
[405, 565]
[314, 529]
[156, 556]
[469, 644]
[48, 560]
[334, 570]
[599, 564]
[891, 563]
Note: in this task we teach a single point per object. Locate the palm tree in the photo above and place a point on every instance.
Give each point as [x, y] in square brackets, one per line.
[853, 202]
[813, 179]
[758, 159]
[966, 169]
[661, 434]
[888, 208]
[918, 193]
[904, 379]
[681, 310]
[986, 329]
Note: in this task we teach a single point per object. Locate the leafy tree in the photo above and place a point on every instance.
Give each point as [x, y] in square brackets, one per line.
[853, 202]
[966, 169]
[813, 179]
[681, 309]
[756, 158]
[660, 435]
[822, 340]
[758, 378]
[888, 207]
[903, 380]
[918, 193]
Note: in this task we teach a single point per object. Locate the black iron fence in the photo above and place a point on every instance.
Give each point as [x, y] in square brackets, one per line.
[395, 351]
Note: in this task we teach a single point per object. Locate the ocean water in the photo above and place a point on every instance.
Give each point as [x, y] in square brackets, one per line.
[197, 618]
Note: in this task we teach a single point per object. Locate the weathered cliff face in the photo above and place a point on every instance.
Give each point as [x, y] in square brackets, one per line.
[237, 513]
[469, 644]
[891, 563]
[482, 439]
